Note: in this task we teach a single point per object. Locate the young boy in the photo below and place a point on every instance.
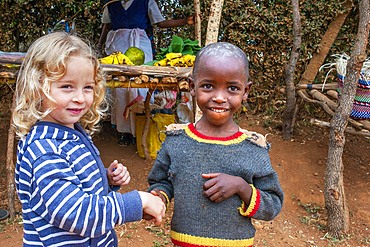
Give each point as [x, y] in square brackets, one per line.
[220, 175]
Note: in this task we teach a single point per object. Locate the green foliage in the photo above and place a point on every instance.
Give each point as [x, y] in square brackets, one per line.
[24, 21]
[178, 45]
[262, 28]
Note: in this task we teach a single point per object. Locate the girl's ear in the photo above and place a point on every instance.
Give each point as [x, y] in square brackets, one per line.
[192, 86]
[246, 90]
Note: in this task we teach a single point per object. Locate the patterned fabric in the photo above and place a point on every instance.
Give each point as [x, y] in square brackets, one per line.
[197, 221]
[361, 103]
[63, 187]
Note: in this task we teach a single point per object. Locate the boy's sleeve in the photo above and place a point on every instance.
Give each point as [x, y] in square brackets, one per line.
[267, 199]
[158, 177]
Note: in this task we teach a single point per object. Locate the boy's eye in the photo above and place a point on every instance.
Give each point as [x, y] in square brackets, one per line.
[234, 88]
[207, 86]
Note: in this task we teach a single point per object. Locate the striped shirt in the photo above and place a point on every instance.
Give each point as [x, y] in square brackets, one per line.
[63, 187]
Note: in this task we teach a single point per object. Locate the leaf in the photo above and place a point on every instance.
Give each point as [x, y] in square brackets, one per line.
[176, 45]
[150, 63]
[187, 50]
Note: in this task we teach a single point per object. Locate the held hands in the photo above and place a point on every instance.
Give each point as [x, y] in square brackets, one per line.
[153, 207]
[118, 174]
[221, 186]
[156, 192]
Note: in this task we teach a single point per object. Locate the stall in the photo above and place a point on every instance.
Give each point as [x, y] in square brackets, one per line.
[120, 76]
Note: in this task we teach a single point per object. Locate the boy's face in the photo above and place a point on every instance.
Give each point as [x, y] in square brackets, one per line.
[220, 87]
[73, 93]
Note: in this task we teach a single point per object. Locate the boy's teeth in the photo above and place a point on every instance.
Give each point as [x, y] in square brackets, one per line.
[218, 110]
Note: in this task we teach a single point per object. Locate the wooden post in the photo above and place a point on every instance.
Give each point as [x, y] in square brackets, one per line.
[212, 34]
[335, 198]
[10, 165]
[197, 24]
[214, 21]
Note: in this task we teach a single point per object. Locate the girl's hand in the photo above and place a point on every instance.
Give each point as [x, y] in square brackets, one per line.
[221, 186]
[118, 174]
[159, 194]
[153, 207]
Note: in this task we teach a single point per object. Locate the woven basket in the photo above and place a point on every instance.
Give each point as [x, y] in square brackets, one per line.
[361, 104]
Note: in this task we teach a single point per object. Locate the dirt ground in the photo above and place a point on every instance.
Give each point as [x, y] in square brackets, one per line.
[300, 164]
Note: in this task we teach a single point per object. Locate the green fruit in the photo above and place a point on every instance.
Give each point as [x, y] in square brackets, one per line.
[136, 55]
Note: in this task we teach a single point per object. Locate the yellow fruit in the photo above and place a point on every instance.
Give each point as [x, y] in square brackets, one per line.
[173, 55]
[116, 58]
[162, 62]
[177, 60]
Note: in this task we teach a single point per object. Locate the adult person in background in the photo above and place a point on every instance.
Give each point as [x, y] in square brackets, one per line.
[126, 24]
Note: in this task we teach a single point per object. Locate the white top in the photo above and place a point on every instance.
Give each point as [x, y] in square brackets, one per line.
[154, 13]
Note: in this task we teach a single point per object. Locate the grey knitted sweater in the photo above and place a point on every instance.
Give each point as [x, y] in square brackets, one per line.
[185, 155]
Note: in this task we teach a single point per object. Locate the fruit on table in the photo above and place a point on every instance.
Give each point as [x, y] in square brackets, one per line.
[116, 58]
[177, 60]
[136, 55]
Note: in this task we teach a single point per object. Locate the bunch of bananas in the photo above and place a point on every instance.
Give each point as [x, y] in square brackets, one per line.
[177, 60]
[116, 58]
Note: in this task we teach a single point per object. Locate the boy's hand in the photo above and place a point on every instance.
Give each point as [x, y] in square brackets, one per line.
[118, 174]
[221, 186]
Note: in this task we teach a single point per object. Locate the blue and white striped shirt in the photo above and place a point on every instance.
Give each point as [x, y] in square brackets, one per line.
[63, 187]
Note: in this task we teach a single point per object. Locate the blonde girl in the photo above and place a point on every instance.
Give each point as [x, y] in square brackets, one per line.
[68, 196]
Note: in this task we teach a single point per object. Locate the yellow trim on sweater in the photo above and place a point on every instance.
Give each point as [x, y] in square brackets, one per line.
[254, 137]
[252, 204]
[221, 142]
[214, 242]
[166, 197]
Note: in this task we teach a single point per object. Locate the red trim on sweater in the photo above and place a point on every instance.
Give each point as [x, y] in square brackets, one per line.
[200, 135]
[258, 201]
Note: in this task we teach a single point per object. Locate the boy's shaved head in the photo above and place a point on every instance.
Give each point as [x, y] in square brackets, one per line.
[221, 50]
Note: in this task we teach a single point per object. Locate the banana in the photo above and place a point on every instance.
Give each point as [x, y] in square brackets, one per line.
[116, 58]
[177, 60]
[173, 55]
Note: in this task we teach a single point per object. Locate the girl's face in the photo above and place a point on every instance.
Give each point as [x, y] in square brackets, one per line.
[220, 88]
[73, 93]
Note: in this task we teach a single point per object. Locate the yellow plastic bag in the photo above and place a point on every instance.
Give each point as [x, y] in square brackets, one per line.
[156, 134]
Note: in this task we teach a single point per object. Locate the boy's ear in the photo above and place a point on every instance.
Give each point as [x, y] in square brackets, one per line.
[192, 86]
[246, 90]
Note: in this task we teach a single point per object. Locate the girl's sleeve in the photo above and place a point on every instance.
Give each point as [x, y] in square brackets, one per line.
[56, 195]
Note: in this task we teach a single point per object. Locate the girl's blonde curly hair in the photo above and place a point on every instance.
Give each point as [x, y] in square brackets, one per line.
[45, 62]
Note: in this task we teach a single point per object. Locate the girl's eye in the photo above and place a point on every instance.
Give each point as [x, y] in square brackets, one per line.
[89, 87]
[66, 86]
